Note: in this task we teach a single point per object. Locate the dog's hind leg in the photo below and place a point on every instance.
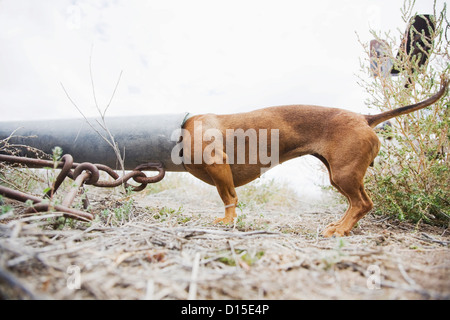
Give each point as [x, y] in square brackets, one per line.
[359, 204]
[348, 179]
[347, 164]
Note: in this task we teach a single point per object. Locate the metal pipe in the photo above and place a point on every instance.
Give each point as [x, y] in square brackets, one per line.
[144, 139]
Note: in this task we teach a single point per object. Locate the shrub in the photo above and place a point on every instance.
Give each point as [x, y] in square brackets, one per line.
[411, 176]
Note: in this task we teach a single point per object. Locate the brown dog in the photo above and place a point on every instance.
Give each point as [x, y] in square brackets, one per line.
[344, 141]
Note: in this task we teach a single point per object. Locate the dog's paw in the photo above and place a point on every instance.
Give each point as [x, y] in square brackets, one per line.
[334, 230]
[224, 220]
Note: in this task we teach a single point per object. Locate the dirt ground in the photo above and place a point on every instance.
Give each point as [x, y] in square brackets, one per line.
[161, 244]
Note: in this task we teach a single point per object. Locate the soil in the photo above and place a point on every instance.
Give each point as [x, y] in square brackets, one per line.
[164, 246]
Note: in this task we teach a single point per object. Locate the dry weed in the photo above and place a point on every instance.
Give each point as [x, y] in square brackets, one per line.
[165, 247]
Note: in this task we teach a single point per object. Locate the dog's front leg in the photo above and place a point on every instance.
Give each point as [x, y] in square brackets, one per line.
[220, 173]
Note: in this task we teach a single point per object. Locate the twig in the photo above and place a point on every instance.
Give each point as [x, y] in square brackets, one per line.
[110, 138]
[85, 118]
[405, 276]
[192, 232]
[235, 258]
[92, 80]
[426, 237]
[16, 284]
[422, 292]
[193, 285]
[41, 217]
[113, 94]
[150, 290]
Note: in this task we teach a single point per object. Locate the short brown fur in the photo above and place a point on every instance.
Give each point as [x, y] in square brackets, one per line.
[343, 140]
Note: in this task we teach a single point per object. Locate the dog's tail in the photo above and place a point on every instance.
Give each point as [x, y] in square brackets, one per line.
[376, 119]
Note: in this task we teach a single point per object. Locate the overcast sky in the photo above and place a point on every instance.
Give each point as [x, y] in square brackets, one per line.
[198, 55]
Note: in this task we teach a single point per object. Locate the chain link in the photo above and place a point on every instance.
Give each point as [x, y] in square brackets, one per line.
[81, 173]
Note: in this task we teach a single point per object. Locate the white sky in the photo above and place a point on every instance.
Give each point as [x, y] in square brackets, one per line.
[198, 55]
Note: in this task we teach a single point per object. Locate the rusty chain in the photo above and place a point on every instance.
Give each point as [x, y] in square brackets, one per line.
[82, 173]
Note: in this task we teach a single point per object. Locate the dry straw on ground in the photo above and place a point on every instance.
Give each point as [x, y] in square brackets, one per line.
[160, 244]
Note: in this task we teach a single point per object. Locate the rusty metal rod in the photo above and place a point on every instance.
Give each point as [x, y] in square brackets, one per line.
[70, 196]
[136, 174]
[31, 162]
[39, 206]
[68, 163]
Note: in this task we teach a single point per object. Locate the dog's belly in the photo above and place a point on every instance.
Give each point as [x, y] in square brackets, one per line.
[242, 174]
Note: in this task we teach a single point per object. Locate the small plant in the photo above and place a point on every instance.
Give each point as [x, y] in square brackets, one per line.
[117, 213]
[241, 206]
[57, 153]
[60, 222]
[335, 256]
[240, 256]
[250, 259]
[240, 222]
[122, 212]
[4, 208]
[166, 213]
